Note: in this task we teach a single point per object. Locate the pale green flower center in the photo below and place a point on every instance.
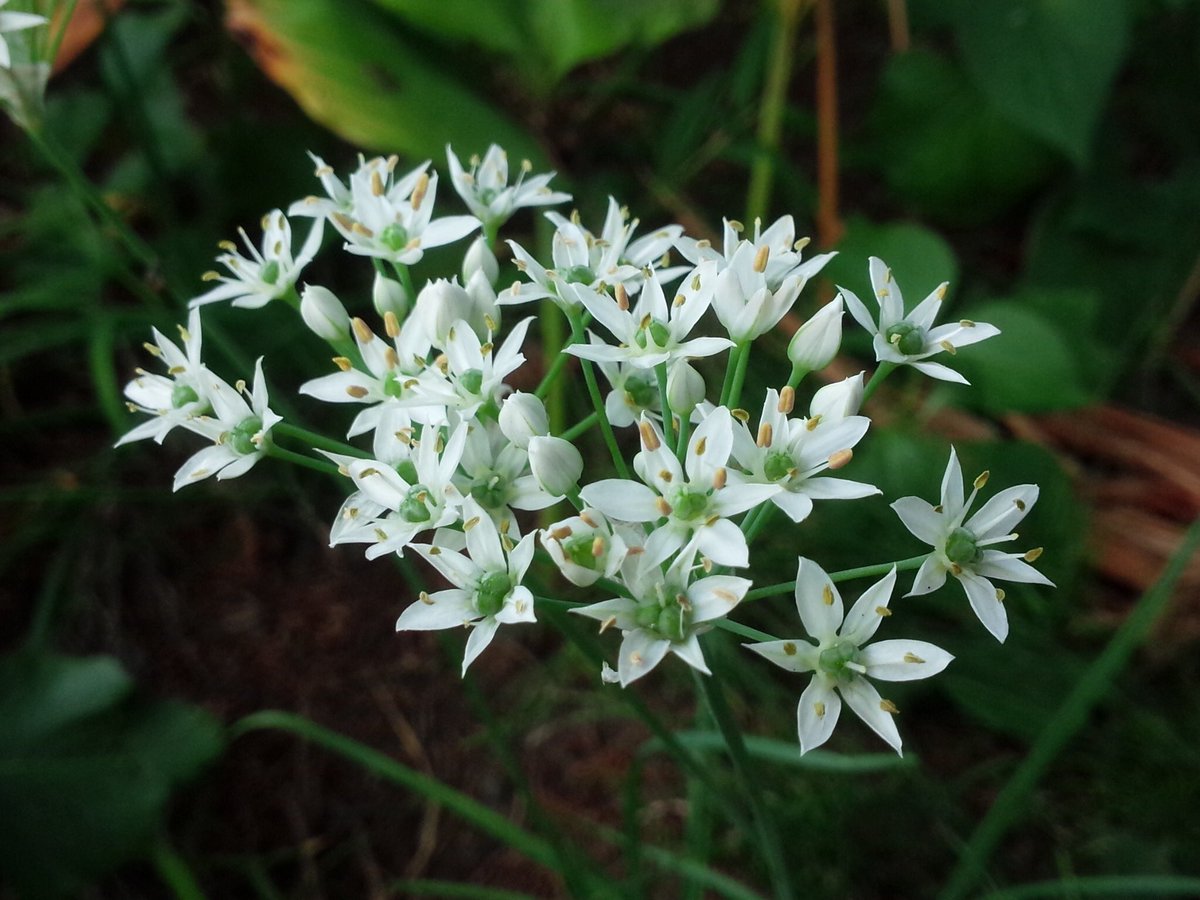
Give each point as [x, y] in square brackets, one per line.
[671, 620]
[579, 275]
[778, 466]
[394, 236]
[579, 551]
[655, 333]
[640, 391]
[182, 395]
[471, 381]
[493, 589]
[689, 505]
[906, 337]
[270, 272]
[962, 547]
[241, 438]
[839, 661]
[491, 490]
[415, 507]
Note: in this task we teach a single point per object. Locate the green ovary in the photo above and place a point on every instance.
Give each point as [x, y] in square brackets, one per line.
[241, 438]
[962, 547]
[493, 589]
[833, 660]
[689, 505]
[182, 395]
[906, 337]
[778, 466]
[394, 237]
[579, 551]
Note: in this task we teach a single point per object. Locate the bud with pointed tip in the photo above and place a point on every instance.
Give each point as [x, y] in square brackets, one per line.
[389, 296]
[483, 297]
[479, 258]
[835, 401]
[439, 305]
[324, 313]
[816, 342]
[685, 388]
[523, 417]
[555, 464]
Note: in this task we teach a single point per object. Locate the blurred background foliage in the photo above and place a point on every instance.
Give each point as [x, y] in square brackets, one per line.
[1043, 156]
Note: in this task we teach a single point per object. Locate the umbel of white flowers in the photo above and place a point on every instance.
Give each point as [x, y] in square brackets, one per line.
[444, 460]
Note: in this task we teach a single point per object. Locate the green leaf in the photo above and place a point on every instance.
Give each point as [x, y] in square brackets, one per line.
[1031, 366]
[86, 769]
[919, 259]
[350, 70]
[548, 38]
[944, 151]
[1046, 64]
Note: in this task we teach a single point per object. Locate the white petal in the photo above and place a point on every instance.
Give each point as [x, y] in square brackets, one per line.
[817, 714]
[796, 505]
[689, 651]
[940, 372]
[795, 656]
[930, 577]
[1001, 514]
[1009, 567]
[445, 609]
[481, 636]
[903, 660]
[952, 487]
[621, 499]
[986, 604]
[862, 697]
[926, 523]
[716, 596]
[818, 600]
[640, 652]
[864, 616]
[723, 543]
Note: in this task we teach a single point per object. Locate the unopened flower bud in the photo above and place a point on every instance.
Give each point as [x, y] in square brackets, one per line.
[555, 464]
[486, 309]
[324, 313]
[480, 259]
[685, 389]
[522, 417]
[439, 305]
[816, 343]
[836, 401]
[389, 296]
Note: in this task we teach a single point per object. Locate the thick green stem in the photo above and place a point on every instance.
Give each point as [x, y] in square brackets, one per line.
[739, 376]
[317, 441]
[299, 459]
[660, 374]
[885, 369]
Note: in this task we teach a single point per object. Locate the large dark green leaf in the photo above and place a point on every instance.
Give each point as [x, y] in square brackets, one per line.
[944, 150]
[1046, 64]
[545, 39]
[86, 768]
[351, 70]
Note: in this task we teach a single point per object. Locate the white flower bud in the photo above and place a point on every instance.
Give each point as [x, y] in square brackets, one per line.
[816, 343]
[439, 305]
[523, 416]
[324, 313]
[555, 464]
[487, 310]
[685, 389]
[480, 259]
[585, 547]
[389, 296]
[836, 401]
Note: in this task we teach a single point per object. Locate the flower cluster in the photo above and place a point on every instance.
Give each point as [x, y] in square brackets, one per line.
[445, 461]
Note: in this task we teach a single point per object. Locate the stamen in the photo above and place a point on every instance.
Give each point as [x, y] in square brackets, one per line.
[888, 707]
[765, 434]
[787, 400]
[840, 458]
[1033, 554]
[827, 595]
[982, 479]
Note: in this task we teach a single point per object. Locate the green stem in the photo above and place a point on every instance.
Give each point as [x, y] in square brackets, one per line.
[744, 630]
[317, 441]
[885, 369]
[660, 375]
[794, 379]
[730, 366]
[580, 427]
[554, 340]
[685, 432]
[739, 377]
[762, 516]
[1071, 716]
[768, 837]
[786, 587]
[589, 376]
[771, 108]
[300, 459]
[486, 820]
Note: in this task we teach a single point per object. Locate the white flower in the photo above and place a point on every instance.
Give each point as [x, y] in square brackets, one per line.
[911, 339]
[241, 430]
[402, 501]
[584, 260]
[173, 398]
[746, 302]
[475, 371]
[585, 547]
[959, 546]
[695, 499]
[634, 391]
[838, 400]
[841, 660]
[262, 277]
[496, 473]
[777, 246]
[666, 614]
[383, 216]
[15, 21]
[652, 333]
[555, 463]
[389, 296]
[795, 453]
[487, 193]
[487, 590]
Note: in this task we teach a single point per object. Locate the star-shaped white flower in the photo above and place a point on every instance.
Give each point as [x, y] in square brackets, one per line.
[176, 397]
[487, 193]
[240, 430]
[695, 499]
[487, 590]
[666, 614]
[263, 276]
[959, 544]
[911, 339]
[841, 660]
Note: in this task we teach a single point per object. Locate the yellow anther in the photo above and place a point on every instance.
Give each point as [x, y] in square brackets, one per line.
[425, 598]
[912, 658]
[391, 325]
[840, 458]
[1000, 595]
[662, 506]
[561, 533]
[761, 257]
[470, 523]
[343, 363]
[357, 391]
[361, 331]
[888, 707]
[787, 400]
[1033, 554]
[391, 358]
[622, 298]
[802, 243]
[948, 347]
[597, 546]
[588, 520]
[418, 193]
[882, 611]
[376, 183]
[607, 624]
[827, 595]
[720, 477]
[789, 649]
[1020, 504]
[740, 414]
[819, 709]
[664, 475]
[361, 229]
[982, 479]
[650, 440]
[210, 276]
[700, 446]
